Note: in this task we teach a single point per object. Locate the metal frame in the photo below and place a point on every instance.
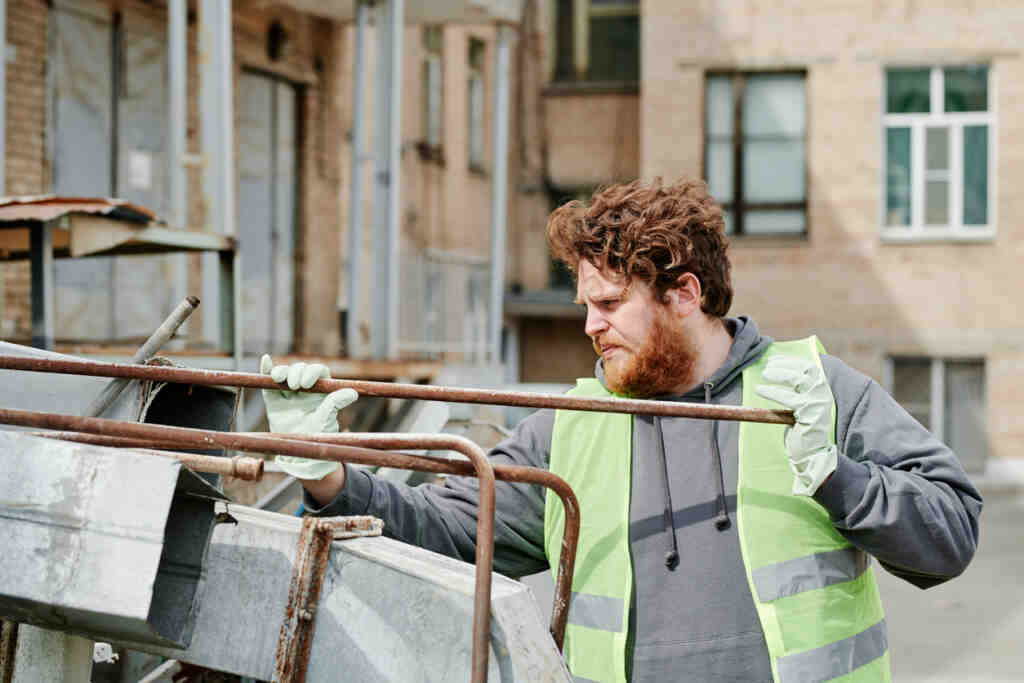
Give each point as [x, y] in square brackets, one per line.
[738, 206]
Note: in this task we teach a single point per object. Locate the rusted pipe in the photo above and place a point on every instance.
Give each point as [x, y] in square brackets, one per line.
[512, 473]
[425, 392]
[239, 466]
[204, 439]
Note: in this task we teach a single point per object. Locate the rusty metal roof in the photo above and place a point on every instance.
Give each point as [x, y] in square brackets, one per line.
[48, 207]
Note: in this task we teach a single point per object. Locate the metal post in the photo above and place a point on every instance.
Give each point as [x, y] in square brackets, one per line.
[177, 121]
[499, 187]
[3, 96]
[355, 210]
[216, 92]
[43, 299]
[387, 180]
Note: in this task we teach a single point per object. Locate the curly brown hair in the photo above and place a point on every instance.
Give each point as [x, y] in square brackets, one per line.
[651, 231]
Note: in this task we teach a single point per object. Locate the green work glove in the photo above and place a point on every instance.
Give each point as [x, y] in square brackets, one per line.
[300, 412]
[800, 385]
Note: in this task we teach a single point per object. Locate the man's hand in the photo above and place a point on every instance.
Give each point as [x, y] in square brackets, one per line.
[800, 385]
[298, 412]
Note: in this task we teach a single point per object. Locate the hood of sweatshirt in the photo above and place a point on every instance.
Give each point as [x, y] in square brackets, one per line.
[747, 345]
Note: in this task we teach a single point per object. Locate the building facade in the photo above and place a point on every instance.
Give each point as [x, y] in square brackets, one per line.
[866, 157]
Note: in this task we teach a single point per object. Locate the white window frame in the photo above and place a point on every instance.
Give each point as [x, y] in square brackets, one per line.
[955, 230]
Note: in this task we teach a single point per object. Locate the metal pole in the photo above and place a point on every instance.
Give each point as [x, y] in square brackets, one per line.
[388, 176]
[216, 92]
[155, 342]
[499, 187]
[424, 392]
[3, 96]
[355, 209]
[177, 122]
[43, 286]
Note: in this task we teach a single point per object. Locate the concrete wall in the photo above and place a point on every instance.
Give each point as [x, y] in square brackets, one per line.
[869, 299]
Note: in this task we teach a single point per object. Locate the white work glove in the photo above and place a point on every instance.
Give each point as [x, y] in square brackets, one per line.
[301, 412]
[800, 385]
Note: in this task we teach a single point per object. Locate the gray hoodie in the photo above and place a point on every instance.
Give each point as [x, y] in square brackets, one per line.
[898, 493]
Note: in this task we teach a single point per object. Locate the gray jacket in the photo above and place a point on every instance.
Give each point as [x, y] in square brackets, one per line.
[898, 493]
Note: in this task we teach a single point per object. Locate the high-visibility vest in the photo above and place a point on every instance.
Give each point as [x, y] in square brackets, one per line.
[815, 594]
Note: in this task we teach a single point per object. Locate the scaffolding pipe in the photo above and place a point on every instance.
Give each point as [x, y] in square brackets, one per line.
[424, 392]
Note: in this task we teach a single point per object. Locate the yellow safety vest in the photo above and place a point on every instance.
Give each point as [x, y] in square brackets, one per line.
[816, 596]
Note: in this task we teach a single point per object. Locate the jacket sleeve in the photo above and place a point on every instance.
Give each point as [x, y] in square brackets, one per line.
[443, 518]
[897, 492]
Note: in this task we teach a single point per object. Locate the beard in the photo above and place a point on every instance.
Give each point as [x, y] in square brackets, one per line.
[665, 362]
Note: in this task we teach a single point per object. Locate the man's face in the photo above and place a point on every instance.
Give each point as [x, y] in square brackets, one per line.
[644, 349]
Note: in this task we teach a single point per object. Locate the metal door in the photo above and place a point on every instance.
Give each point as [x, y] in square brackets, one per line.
[266, 210]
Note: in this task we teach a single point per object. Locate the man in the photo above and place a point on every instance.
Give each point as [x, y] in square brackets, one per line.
[712, 551]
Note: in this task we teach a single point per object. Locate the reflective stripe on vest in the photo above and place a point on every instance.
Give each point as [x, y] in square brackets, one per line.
[815, 594]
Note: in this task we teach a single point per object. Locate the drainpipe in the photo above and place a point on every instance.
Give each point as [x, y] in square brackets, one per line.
[221, 272]
[177, 120]
[355, 209]
[387, 178]
[499, 188]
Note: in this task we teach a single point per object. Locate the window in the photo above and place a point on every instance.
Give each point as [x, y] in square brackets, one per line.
[477, 50]
[597, 40]
[948, 398]
[755, 158]
[938, 152]
[432, 86]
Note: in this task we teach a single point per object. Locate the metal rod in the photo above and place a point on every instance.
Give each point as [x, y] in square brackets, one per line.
[239, 466]
[148, 349]
[425, 392]
[200, 438]
[355, 205]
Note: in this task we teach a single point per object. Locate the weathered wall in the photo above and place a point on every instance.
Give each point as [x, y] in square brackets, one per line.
[591, 136]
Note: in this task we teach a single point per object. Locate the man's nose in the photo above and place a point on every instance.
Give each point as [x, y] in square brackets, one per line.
[596, 323]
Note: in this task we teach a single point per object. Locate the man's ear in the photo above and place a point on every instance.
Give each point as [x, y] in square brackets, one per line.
[685, 298]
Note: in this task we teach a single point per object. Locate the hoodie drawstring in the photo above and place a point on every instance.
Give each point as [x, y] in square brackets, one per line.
[672, 549]
[721, 509]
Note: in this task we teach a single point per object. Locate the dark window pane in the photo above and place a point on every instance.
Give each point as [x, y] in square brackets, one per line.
[975, 175]
[897, 176]
[964, 424]
[907, 91]
[615, 48]
[563, 41]
[912, 387]
[966, 88]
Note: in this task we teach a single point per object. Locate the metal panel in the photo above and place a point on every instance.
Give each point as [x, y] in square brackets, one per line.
[82, 119]
[100, 541]
[388, 611]
[142, 285]
[266, 210]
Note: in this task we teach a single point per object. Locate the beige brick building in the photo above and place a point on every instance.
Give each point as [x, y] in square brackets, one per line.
[868, 157]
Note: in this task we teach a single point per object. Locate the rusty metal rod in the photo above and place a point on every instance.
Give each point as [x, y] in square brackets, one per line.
[239, 466]
[425, 392]
[384, 441]
[199, 438]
